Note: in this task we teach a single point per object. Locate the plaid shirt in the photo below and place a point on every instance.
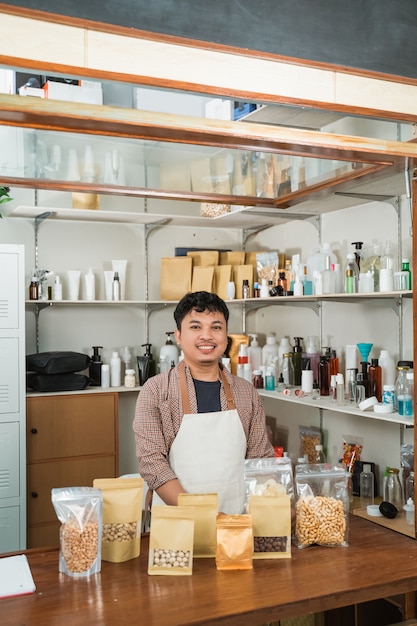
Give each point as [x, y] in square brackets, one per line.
[159, 414]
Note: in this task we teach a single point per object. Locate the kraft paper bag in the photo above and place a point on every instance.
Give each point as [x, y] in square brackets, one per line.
[176, 274]
[241, 273]
[203, 279]
[232, 257]
[222, 275]
[204, 257]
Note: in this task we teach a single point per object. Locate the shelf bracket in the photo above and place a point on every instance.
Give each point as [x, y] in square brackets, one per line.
[38, 221]
[370, 197]
[38, 309]
[248, 232]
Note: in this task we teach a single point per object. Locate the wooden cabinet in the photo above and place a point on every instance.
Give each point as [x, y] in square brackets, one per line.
[71, 439]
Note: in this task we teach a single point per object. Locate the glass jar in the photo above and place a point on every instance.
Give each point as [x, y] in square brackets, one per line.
[258, 381]
[130, 379]
[393, 491]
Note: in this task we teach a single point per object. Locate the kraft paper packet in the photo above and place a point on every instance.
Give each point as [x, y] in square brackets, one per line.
[205, 258]
[271, 525]
[234, 542]
[176, 275]
[241, 273]
[171, 541]
[232, 257]
[222, 275]
[122, 517]
[234, 342]
[203, 279]
[204, 507]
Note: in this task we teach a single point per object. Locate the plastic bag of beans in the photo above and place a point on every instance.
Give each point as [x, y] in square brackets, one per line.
[79, 509]
[322, 506]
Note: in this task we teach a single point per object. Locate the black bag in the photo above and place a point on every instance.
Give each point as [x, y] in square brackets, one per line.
[57, 362]
[56, 382]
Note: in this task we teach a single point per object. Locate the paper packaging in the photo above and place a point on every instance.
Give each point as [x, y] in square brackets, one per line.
[171, 541]
[204, 508]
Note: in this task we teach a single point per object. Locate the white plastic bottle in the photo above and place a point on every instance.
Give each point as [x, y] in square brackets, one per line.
[170, 350]
[105, 376]
[255, 353]
[90, 285]
[115, 370]
[388, 368]
[57, 289]
[270, 351]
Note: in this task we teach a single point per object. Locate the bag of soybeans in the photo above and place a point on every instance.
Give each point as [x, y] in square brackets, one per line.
[122, 517]
[234, 542]
[271, 526]
[204, 508]
[322, 507]
[79, 509]
[171, 541]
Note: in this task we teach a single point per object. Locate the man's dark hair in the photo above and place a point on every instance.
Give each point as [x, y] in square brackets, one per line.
[199, 301]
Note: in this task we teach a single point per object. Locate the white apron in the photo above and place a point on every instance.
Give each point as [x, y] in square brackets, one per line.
[208, 452]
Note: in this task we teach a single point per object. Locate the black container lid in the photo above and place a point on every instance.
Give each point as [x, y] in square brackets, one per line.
[409, 364]
[388, 509]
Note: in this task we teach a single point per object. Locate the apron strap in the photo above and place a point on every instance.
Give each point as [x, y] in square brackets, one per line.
[184, 390]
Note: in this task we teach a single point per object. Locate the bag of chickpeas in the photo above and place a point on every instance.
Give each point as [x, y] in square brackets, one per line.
[171, 541]
[271, 525]
[122, 517]
[322, 507]
[79, 509]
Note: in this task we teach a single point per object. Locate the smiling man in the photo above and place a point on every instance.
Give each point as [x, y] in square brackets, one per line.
[195, 424]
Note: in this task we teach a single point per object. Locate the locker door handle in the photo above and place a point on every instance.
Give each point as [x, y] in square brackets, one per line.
[34, 431]
[34, 494]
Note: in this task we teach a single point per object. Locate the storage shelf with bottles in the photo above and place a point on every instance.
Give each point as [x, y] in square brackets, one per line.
[327, 404]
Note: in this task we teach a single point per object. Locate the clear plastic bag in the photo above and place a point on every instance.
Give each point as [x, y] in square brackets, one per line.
[322, 508]
[268, 476]
[79, 509]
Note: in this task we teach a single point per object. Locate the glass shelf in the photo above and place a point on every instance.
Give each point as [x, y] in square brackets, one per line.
[108, 150]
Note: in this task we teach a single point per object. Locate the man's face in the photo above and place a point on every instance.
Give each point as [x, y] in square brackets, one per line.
[203, 337]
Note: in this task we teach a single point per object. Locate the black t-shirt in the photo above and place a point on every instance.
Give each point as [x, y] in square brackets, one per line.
[208, 395]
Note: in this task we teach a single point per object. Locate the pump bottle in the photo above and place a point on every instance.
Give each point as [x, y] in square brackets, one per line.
[146, 364]
[169, 350]
[94, 370]
[116, 287]
[351, 274]
[270, 352]
[57, 289]
[375, 377]
[255, 353]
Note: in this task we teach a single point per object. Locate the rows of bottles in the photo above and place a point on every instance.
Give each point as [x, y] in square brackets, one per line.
[307, 368]
[364, 271]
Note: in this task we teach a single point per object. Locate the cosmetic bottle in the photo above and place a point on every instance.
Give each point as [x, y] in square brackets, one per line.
[105, 376]
[89, 283]
[94, 370]
[115, 370]
[146, 364]
[116, 287]
[57, 289]
[297, 360]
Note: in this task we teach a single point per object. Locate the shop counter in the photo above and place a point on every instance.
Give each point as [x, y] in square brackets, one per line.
[378, 563]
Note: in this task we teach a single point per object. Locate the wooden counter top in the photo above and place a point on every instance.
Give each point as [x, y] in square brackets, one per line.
[378, 563]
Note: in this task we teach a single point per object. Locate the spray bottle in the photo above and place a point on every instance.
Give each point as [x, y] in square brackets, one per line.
[255, 353]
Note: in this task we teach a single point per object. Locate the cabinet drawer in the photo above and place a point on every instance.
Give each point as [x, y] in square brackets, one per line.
[68, 426]
[9, 528]
[44, 535]
[9, 460]
[42, 477]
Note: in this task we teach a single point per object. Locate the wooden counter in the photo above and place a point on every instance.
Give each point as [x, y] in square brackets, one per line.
[378, 563]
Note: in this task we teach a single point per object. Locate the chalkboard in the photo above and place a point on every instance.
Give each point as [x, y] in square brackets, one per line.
[375, 35]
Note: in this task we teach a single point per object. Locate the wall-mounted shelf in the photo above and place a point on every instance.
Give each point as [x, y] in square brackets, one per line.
[327, 404]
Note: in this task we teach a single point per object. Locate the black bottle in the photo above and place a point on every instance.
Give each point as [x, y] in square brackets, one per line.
[94, 370]
[297, 360]
[324, 382]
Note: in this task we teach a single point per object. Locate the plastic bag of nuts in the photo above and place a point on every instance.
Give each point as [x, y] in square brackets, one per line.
[322, 508]
[79, 509]
[271, 476]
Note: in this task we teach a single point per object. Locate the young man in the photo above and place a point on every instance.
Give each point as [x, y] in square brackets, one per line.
[195, 424]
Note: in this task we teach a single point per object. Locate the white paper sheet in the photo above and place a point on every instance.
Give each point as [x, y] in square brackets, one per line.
[15, 576]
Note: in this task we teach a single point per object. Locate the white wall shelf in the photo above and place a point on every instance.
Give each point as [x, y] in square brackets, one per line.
[328, 405]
